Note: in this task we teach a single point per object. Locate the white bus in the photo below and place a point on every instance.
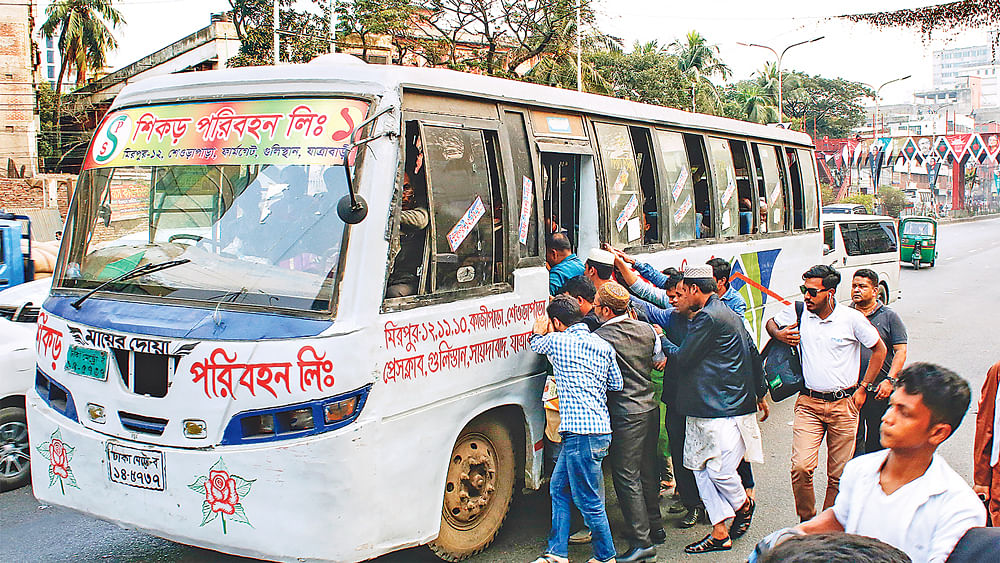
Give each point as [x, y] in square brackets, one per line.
[234, 355]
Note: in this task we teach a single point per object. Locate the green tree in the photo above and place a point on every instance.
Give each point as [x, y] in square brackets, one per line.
[830, 106]
[699, 61]
[367, 18]
[893, 200]
[868, 200]
[647, 74]
[82, 29]
[303, 34]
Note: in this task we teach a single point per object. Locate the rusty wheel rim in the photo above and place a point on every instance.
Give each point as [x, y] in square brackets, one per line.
[471, 483]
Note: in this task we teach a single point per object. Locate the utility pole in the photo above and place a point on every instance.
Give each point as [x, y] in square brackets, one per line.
[277, 53]
[333, 26]
[781, 113]
[579, 50]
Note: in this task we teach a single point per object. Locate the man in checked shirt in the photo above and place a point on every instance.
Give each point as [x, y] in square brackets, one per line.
[585, 369]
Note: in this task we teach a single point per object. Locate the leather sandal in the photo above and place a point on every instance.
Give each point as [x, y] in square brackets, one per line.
[741, 522]
[708, 544]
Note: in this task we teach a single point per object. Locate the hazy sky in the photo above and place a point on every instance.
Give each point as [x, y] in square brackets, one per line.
[853, 51]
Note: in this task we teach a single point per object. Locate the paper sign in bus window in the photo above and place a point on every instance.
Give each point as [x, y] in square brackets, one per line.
[776, 192]
[527, 195]
[626, 214]
[620, 182]
[730, 189]
[679, 184]
[558, 125]
[465, 225]
[682, 210]
[727, 220]
[634, 229]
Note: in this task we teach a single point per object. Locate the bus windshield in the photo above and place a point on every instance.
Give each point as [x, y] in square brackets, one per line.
[265, 235]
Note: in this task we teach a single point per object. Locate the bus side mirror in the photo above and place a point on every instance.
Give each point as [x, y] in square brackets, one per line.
[827, 249]
[351, 211]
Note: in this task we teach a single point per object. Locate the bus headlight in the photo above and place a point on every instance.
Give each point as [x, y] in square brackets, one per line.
[295, 421]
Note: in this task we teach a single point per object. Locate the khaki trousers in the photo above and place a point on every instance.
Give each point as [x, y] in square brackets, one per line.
[814, 418]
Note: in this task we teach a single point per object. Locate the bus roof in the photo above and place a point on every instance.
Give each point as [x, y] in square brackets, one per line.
[336, 74]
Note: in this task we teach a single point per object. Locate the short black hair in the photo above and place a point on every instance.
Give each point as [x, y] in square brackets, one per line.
[557, 241]
[720, 269]
[834, 548]
[674, 277]
[944, 392]
[603, 270]
[868, 274]
[566, 309]
[580, 286]
[704, 285]
[830, 276]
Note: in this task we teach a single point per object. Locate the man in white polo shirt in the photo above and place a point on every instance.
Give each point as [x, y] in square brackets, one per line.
[907, 496]
[830, 341]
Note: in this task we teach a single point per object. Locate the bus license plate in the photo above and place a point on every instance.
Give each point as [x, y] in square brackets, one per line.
[136, 467]
[87, 362]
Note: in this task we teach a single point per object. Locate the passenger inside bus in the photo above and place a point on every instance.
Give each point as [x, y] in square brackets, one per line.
[413, 220]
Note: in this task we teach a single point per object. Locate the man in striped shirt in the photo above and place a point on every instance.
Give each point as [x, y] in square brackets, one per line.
[585, 369]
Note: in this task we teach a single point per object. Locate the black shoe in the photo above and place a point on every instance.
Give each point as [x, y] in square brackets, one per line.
[637, 555]
[693, 516]
[658, 536]
[708, 543]
[741, 522]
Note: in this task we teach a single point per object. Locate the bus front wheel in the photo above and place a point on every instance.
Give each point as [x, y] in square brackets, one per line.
[478, 490]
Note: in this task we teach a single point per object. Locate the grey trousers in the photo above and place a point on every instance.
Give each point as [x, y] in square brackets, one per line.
[635, 473]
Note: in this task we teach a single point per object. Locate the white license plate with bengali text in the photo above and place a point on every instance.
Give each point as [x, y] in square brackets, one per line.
[136, 467]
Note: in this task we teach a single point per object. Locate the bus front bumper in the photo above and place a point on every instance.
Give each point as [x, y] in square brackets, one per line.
[283, 501]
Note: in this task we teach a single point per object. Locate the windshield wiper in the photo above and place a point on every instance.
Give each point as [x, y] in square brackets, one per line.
[134, 272]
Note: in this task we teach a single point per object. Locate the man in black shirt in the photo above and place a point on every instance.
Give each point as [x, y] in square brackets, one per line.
[582, 289]
[864, 295]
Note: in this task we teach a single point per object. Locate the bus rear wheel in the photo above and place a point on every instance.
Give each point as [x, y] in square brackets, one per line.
[478, 490]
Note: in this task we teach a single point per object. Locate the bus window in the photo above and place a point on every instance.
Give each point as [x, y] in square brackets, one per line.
[744, 187]
[645, 163]
[770, 192]
[678, 186]
[523, 182]
[463, 192]
[561, 197]
[704, 223]
[829, 239]
[407, 248]
[810, 192]
[621, 182]
[724, 175]
[798, 202]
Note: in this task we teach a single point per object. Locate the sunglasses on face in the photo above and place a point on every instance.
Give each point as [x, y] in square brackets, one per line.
[813, 292]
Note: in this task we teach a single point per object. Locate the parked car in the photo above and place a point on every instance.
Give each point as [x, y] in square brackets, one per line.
[849, 208]
[19, 308]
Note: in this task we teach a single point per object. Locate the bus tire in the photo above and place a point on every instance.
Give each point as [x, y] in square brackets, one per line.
[478, 490]
[883, 293]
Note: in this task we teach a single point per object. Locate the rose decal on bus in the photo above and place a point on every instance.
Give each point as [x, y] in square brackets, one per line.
[223, 492]
[59, 454]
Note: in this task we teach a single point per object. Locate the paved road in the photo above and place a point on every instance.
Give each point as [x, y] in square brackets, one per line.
[947, 310]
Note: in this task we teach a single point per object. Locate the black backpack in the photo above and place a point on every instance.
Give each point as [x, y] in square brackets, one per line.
[783, 364]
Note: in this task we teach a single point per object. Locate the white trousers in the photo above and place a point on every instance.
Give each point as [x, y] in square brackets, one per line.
[718, 482]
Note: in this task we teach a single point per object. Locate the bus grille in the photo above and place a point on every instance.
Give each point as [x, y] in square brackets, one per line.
[139, 423]
[144, 373]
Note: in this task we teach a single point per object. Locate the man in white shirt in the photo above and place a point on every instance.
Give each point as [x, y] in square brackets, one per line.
[906, 495]
[830, 341]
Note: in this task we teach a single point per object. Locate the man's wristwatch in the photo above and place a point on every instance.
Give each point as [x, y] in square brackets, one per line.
[871, 387]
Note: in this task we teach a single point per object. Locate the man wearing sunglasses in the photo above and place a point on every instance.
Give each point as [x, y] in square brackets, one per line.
[830, 341]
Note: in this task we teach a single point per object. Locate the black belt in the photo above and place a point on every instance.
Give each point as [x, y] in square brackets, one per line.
[832, 395]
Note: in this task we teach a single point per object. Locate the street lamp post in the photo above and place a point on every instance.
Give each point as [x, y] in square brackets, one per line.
[877, 90]
[781, 113]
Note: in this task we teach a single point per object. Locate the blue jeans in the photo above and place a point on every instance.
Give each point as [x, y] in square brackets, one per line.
[577, 479]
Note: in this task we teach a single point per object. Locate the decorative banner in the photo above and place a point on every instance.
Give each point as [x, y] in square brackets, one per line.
[910, 151]
[992, 142]
[287, 131]
[465, 225]
[976, 149]
[925, 148]
[527, 193]
[958, 144]
[942, 149]
[933, 168]
[627, 211]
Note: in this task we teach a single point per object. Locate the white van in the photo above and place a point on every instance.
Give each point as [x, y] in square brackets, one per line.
[852, 242]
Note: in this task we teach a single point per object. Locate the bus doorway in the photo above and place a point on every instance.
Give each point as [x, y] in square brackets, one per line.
[561, 199]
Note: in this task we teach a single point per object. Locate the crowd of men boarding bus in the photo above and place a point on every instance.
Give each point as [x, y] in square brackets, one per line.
[623, 337]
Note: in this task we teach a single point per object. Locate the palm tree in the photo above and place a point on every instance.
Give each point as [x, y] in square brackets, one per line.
[84, 39]
[699, 60]
[767, 81]
[756, 103]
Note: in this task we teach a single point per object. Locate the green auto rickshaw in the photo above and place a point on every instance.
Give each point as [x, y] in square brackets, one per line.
[918, 240]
